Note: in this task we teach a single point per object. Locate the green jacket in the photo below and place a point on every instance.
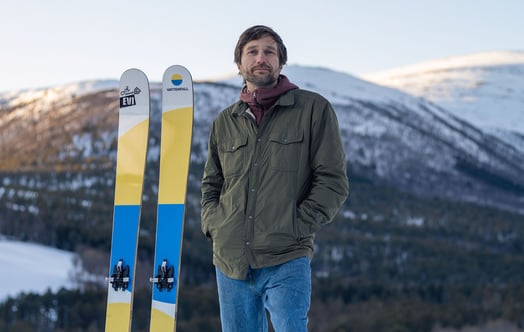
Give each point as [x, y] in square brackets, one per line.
[267, 189]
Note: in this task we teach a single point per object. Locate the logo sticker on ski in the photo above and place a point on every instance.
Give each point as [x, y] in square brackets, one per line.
[127, 97]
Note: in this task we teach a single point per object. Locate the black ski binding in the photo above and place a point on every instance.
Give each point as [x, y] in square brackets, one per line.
[165, 278]
[120, 277]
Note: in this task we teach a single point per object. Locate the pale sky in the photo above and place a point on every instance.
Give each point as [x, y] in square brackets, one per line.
[52, 42]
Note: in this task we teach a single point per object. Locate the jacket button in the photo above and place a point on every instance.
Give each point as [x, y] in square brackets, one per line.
[248, 243]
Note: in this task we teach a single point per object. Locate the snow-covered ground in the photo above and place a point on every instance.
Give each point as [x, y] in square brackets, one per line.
[28, 267]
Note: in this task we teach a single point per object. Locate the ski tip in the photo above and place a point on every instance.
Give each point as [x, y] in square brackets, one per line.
[133, 72]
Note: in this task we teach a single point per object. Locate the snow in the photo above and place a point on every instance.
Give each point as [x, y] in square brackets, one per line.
[28, 267]
[486, 89]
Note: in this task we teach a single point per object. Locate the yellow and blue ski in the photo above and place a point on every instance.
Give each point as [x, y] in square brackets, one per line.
[133, 129]
[175, 151]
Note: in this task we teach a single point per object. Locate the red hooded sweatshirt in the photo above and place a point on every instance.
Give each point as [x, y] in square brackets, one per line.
[261, 100]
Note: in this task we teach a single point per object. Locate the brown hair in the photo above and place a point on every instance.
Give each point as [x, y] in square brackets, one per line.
[256, 32]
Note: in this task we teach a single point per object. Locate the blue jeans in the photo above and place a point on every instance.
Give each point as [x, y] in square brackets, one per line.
[283, 290]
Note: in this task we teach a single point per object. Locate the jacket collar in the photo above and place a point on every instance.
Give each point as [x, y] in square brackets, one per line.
[287, 99]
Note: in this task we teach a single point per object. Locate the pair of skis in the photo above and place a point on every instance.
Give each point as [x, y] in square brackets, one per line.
[175, 150]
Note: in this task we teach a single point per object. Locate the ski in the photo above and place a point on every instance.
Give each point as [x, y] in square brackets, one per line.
[133, 128]
[175, 150]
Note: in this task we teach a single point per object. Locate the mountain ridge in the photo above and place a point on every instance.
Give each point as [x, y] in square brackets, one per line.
[389, 135]
[485, 89]
[481, 59]
[431, 229]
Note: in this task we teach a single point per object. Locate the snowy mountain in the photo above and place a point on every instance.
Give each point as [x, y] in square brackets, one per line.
[485, 89]
[416, 144]
[57, 152]
[392, 137]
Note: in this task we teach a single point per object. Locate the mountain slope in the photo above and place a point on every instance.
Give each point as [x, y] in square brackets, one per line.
[485, 89]
[389, 136]
[415, 144]
[405, 250]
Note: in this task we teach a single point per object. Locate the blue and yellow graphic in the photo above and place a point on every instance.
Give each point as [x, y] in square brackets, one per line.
[176, 79]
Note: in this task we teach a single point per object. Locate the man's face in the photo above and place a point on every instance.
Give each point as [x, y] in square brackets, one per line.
[260, 65]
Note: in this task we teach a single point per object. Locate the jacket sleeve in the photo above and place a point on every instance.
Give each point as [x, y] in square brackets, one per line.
[212, 181]
[329, 185]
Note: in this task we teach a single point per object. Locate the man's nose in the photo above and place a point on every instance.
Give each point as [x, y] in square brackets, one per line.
[261, 59]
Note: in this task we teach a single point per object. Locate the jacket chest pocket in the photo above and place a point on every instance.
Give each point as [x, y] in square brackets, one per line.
[233, 156]
[285, 151]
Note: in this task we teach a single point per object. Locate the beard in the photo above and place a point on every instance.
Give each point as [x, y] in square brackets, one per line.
[264, 79]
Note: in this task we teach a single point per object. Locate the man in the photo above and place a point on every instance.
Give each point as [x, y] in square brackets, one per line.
[275, 174]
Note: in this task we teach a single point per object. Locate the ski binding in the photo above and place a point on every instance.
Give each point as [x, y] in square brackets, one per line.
[120, 277]
[165, 277]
